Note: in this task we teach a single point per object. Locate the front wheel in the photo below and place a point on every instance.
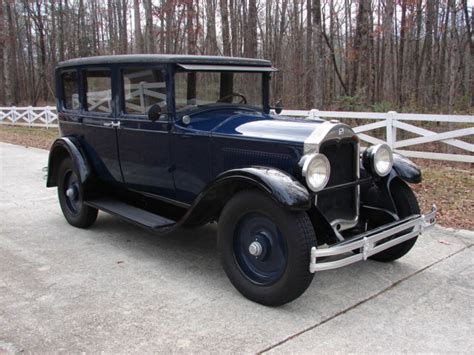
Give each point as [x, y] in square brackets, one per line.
[265, 249]
[70, 194]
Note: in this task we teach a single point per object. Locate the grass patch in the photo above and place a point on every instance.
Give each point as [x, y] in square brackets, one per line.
[449, 185]
[451, 189]
[28, 137]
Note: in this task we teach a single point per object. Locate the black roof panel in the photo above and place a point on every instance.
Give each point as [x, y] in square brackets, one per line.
[163, 58]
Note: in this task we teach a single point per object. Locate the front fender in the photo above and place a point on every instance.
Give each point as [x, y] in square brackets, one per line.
[380, 195]
[280, 186]
[66, 147]
[405, 169]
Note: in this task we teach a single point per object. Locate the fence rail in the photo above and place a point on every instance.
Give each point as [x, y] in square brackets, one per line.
[29, 116]
[391, 122]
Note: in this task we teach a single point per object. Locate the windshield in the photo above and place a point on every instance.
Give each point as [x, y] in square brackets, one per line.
[196, 89]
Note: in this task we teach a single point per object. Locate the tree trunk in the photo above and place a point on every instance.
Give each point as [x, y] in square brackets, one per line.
[211, 37]
[318, 49]
[2, 62]
[12, 55]
[149, 33]
[226, 46]
[250, 43]
[139, 48]
[309, 57]
[190, 28]
[401, 55]
[454, 50]
[234, 28]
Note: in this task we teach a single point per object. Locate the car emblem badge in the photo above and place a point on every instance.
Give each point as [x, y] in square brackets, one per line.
[341, 131]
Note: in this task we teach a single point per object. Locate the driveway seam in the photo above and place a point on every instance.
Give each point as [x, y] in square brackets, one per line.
[297, 334]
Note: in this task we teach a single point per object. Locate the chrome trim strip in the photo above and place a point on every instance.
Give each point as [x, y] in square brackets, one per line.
[367, 244]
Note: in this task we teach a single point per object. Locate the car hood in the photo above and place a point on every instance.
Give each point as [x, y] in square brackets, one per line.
[268, 127]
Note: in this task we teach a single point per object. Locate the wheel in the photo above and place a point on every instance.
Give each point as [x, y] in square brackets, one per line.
[265, 249]
[406, 204]
[70, 194]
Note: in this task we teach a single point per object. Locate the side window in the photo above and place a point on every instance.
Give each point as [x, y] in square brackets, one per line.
[99, 90]
[70, 90]
[143, 88]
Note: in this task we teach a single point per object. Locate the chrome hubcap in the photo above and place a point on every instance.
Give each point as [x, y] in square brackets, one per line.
[255, 249]
[71, 193]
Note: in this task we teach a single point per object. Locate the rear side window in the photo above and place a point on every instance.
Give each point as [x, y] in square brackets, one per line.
[143, 88]
[70, 90]
[99, 90]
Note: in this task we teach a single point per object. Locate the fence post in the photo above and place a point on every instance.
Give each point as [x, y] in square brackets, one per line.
[47, 112]
[391, 129]
[29, 115]
[313, 113]
[13, 113]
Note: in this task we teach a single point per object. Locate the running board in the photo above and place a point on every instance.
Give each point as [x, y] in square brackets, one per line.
[130, 213]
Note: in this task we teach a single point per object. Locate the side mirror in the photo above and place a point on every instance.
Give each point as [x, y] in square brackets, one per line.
[154, 113]
[278, 106]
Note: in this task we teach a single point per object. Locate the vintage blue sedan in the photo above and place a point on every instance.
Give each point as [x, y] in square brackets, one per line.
[166, 141]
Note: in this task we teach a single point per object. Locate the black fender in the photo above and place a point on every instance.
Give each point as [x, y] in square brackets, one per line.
[405, 169]
[280, 186]
[380, 195]
[65, 147]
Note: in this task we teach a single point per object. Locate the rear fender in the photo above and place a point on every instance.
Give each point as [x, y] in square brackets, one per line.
[280, 186]
[66, 147]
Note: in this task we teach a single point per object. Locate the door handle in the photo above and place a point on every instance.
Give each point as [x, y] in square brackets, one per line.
[112, 124]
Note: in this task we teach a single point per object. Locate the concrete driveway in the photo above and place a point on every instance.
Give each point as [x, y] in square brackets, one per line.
[117, 288]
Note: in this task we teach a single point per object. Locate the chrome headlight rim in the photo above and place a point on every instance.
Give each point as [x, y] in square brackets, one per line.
[373, 153]
[309, 159]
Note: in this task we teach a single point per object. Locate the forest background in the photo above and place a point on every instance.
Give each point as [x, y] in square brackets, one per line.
[367, 55]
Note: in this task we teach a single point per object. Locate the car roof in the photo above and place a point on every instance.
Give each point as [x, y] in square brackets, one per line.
[164, 59]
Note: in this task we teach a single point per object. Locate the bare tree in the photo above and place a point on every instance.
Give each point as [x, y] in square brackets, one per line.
[139, 44]
[332, 53]
[319, 56]
[225, 28]
[250, 43]
[2, 61]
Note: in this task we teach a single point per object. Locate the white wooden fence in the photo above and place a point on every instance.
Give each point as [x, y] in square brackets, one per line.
[29, 116]
[390, 122]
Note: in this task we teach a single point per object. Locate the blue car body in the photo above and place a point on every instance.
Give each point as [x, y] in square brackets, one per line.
[191, 167]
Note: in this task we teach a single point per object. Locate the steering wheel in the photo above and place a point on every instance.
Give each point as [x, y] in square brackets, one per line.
[234, 94]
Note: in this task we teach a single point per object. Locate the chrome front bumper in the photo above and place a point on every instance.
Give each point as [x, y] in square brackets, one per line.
[367, 242]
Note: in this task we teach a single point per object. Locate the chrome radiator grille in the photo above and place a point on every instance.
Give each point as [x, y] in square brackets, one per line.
[340, 206]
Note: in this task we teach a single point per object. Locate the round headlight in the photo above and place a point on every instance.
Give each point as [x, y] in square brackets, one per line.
[379, 159]
[316, 169]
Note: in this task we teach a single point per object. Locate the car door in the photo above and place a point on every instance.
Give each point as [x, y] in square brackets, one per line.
[144, 146]
[98, 122]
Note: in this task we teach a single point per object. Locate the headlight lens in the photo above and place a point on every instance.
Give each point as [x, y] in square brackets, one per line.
[378, 159]
[316, 169]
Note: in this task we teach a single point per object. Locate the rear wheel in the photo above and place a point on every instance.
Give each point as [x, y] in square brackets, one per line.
[407, 205]
[70, 194]
[265, 249]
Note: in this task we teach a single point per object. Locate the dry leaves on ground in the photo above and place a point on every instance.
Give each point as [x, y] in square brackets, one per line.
[29, 137]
